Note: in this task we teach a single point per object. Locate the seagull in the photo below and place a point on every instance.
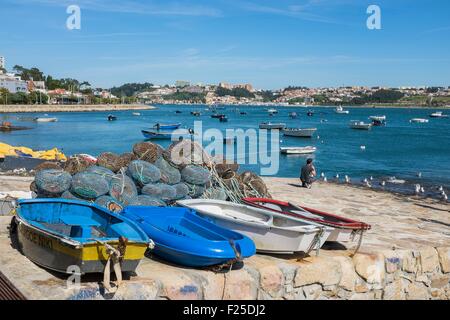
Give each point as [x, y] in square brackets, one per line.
[417, 186]
[337, 176]
[441, 189]
[383, 183]
[325, 179]
[363, 147]
[419, 174]
[444, 197]
[422, 190]
[347, 179]
[365, 180]
[371, 178]
[322, 175]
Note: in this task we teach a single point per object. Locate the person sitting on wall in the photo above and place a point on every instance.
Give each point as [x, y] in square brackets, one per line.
[307, 174]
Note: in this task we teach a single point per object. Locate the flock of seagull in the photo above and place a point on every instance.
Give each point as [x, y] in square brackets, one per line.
[367, 182]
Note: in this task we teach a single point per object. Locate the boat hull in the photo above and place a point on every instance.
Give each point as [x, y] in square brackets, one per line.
[54, 253]
[303, 133]
[271, 233]
[344, 229]
[272, 240]
[184, 238]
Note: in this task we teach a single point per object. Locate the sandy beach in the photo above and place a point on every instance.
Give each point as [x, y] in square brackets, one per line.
[72, 108]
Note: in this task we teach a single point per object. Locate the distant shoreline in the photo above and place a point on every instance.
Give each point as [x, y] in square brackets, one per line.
[309, 106]
[72, 108]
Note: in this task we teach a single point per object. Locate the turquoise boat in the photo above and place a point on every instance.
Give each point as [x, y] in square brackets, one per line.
[61, 233]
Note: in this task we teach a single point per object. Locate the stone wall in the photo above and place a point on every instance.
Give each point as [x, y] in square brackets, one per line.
[70, 108]
[389, 274]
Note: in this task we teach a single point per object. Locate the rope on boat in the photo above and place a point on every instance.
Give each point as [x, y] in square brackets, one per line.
[114, 256]
[316, 242]
[361, 234]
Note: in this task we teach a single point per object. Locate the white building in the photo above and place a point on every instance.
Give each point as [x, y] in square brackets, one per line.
[2, 62]
[13, 83]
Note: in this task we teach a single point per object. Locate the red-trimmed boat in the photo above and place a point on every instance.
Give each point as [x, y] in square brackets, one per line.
[345, 229]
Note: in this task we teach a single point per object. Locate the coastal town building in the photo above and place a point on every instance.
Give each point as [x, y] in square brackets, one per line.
[13, 83]
[2, 62]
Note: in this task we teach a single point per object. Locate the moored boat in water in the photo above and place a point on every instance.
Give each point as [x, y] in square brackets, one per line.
[300, 133]
[360, 125]
[438, 114]
[270, 231]
[341, 110]
[60, 233]
[272, 126]
[45, 119]
[419, 120]
[298, 150]
[185, 238]
[163, 126]
[345, 229]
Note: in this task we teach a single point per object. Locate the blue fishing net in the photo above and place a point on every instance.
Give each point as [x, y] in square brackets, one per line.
[195, 191]
[161, 191]
[109, 203]
[122, 188]
[52, 181]
[195, 175]
[169, 174]
[143, 172]
[89, 185]
[69, 195]
[182, 190]
[147, 201]
[102, 172]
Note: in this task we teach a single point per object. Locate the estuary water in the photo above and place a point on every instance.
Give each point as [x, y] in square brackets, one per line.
[401, 149]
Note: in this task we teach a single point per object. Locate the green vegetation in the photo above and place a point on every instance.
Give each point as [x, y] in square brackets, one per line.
[236, 92]
[268, 96]
[186, 96]
[130, 89]
[380, 96]
[22, 98]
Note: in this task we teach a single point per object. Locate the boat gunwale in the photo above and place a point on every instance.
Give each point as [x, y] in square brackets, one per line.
[346, 224]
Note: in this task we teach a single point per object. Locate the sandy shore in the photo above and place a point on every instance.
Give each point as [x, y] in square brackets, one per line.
[397, 221]
[72, 108]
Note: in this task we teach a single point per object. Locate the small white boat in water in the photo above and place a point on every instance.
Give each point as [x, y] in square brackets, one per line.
[341, 110]
[270, 231]
[419, 120]
[378, 118]
[136, 113]
[272, 126]
[298, 150]
[46, 119]
[272, 111]
[360, 125]
[301, 133]
[438, 114]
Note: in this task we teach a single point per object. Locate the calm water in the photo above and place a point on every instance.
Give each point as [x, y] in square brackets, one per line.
[400, 149]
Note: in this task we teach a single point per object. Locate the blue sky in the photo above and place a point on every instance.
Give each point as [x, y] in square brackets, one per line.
[271, 44]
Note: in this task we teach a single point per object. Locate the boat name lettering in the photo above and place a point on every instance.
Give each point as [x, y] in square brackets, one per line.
[37, 239]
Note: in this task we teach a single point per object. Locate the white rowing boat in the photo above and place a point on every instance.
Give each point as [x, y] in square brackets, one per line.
[45, 119]
[298, 150]
[418, 120]
[270, 231]
[360, 125]
[341, 110]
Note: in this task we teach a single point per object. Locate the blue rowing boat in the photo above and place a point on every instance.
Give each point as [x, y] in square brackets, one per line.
[61, 233]
[161, 126]
[184, 238]
[149, 134]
